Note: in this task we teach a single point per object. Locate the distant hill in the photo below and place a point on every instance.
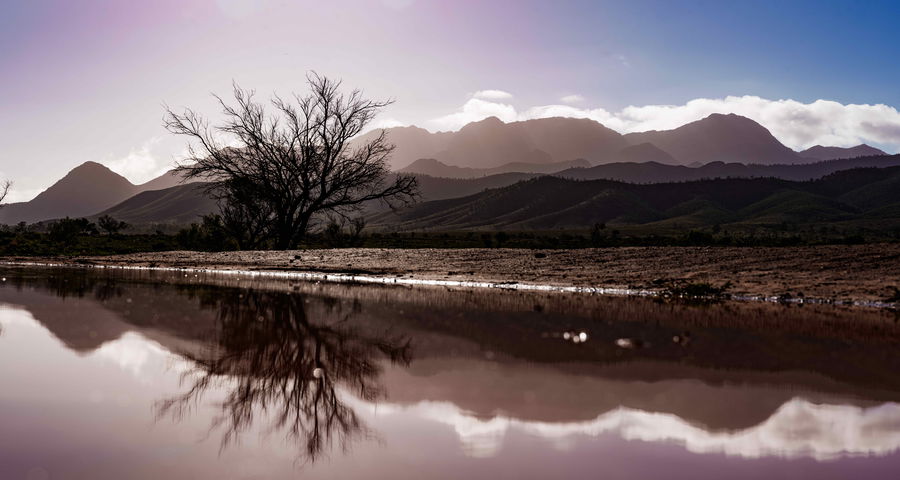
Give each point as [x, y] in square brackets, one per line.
[86, 189]
[411, 143]
[549, 202]
[181, 204]
[434, 168]
[720, 138]
[653, 172]
[642, 153]
[830, 153]
[166, 180]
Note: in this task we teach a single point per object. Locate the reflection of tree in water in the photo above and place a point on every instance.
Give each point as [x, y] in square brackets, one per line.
[272, 359]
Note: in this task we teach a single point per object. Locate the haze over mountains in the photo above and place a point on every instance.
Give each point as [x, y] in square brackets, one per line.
[434, 168]
[489, 154]
[490, 143]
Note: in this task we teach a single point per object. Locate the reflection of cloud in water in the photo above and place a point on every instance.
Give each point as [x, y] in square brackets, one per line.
[797, 429]
[135, 354]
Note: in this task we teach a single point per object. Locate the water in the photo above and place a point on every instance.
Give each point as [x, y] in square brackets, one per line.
[108, 375]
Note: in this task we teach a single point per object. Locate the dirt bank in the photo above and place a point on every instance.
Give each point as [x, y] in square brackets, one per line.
[860, 272]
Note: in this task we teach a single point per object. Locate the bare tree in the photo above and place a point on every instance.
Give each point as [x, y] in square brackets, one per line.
[4, 190]
[291, 168]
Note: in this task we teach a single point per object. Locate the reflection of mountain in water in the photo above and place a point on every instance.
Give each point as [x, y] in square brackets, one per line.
[756, 380]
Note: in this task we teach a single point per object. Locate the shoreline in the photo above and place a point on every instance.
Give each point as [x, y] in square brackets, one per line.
[862, 275]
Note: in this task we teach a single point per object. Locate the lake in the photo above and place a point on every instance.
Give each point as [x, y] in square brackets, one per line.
[114, 374]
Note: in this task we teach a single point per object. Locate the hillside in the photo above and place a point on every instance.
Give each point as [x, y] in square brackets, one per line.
[654, 172]
[549, 202]
[830, 153]
[184, 204]
[434, 168]
[181, 204]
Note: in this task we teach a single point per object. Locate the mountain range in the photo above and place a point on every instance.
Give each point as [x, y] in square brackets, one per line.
[550, 202]
[490, 144]
[489, 154]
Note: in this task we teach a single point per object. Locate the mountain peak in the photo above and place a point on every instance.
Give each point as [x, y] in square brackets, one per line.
[489, 122]
[493, 119]
[724, 137]
[732, 119]
[820, 152]
[86, 189]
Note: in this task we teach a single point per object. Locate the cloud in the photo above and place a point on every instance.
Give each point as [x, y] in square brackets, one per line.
[796, 124]
[798, 429]
[144, 163]
[492, 95]
[474, 110]
[137, 355]
[572, 99]
[387, 122]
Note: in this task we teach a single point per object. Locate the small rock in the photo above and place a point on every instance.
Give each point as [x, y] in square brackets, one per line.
[630, 343]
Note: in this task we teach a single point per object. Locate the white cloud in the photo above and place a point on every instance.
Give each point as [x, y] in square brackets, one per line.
[572, 99]
[387, 122]
[492, 95]
[144, 163]
[796, 124]
[474, 110]
[798, 429]
[137, 355]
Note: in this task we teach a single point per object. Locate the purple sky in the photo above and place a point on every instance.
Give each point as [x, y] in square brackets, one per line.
[86, 80]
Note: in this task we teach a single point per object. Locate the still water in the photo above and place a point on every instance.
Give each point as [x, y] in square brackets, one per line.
[149, 375]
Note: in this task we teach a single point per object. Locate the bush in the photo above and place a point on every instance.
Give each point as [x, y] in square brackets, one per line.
[111, 225]
[68, 229]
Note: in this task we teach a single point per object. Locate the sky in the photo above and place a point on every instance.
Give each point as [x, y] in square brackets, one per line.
[88, 80]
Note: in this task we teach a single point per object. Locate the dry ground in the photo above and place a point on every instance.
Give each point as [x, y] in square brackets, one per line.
[859, 272]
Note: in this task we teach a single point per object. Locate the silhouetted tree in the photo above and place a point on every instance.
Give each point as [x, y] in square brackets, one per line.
[111, 225]
[67, 229]
[280, 173]
[209, 235]
[4, 191]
